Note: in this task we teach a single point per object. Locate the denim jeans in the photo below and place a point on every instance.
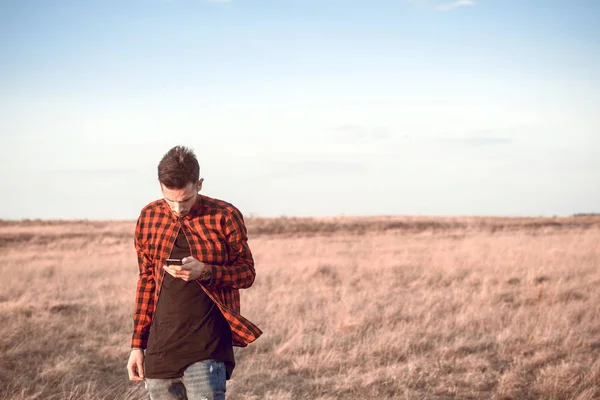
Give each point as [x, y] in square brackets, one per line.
[204, 380]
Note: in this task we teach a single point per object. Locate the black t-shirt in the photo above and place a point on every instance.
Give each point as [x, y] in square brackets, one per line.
[187, 327]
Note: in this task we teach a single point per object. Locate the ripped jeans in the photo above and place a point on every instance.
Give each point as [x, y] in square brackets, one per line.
[204, 380]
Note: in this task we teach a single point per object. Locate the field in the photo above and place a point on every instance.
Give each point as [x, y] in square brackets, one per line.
[360, 308]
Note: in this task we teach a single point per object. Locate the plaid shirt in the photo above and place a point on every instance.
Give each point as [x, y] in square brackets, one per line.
[216, 234]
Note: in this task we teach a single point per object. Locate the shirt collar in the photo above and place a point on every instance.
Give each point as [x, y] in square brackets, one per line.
[193, 211]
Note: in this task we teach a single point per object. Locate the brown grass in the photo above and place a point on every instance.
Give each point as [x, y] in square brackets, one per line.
[388, 307]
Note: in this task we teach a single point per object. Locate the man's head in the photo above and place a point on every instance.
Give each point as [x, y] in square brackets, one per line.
[178, 174]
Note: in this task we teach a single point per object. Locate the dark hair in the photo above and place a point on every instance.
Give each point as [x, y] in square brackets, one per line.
[178, 167]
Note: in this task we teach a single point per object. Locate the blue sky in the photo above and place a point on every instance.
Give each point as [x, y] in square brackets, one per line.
[302, 107]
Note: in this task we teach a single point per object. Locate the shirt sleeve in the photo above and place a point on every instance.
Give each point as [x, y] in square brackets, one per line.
[239, 272]
[144, 299]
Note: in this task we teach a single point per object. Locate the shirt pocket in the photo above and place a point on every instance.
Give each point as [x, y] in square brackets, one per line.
[209, 246]
[156, 249]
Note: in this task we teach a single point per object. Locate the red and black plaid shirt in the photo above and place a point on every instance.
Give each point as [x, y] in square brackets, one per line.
[217, 237]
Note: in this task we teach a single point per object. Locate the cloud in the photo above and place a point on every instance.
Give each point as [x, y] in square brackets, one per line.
[314, 168]
[94, 172]
[478, 141]
[455, 4]
[361, 134]
[480, 137]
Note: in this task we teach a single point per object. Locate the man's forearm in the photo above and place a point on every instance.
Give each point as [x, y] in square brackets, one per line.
[236, 276]
[144, 309]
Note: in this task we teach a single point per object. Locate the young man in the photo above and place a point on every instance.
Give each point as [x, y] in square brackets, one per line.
[187, 317]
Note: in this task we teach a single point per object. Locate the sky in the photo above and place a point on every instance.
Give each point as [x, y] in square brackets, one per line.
[302, 107]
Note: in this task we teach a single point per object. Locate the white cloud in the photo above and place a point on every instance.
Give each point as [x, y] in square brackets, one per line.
[455, 4]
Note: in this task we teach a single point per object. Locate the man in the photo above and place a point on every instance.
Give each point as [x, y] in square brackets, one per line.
[187, 317]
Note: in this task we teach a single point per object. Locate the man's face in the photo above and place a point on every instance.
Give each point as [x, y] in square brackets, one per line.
[181, 200]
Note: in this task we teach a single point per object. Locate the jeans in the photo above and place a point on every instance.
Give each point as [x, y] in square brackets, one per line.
[204, 380]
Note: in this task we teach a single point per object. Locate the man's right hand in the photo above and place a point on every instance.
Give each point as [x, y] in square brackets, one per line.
[135, 365]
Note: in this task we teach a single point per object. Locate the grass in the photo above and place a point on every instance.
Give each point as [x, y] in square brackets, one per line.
[388, 307]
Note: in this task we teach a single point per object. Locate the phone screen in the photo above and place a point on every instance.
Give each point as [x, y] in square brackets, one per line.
[173, 261]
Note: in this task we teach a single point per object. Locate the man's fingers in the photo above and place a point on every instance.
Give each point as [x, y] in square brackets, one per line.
[140, 369]
[132, 373]
[135, 365]
[135, 371]
[172, 270]
[183, 273]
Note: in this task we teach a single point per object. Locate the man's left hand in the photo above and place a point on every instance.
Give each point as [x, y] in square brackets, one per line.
[190, 270]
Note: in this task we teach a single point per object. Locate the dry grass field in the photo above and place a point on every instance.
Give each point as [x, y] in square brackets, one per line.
[351, 308]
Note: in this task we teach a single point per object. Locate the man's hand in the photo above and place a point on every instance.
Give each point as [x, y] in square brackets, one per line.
[135, 365]
[189, 271]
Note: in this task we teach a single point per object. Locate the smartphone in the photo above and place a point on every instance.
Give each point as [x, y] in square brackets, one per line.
[173, 261]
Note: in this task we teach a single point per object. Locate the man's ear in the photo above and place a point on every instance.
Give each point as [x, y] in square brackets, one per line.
[200, 184]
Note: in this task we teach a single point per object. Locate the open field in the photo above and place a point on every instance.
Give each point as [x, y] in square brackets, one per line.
[362, 308]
